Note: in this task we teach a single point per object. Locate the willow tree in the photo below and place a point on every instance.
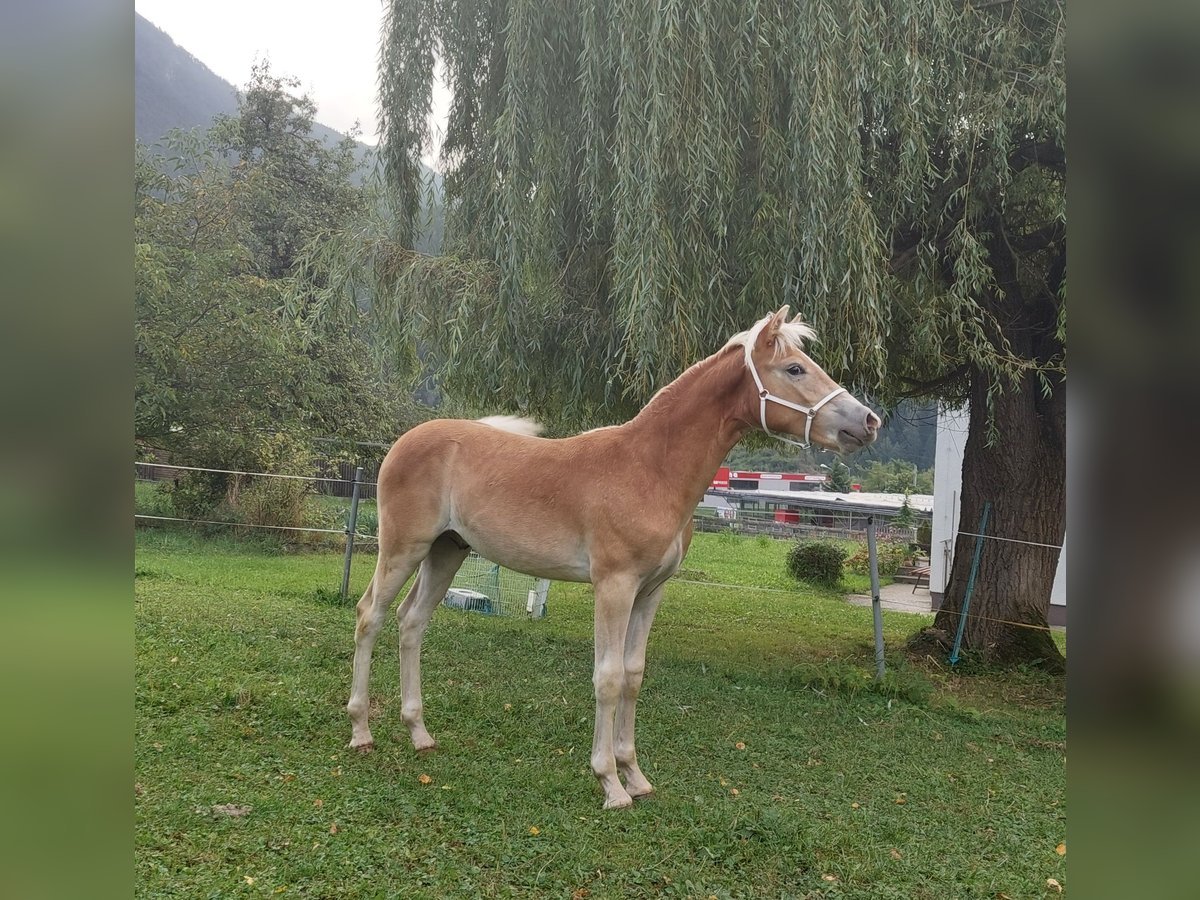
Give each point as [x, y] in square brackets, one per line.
[627, 183]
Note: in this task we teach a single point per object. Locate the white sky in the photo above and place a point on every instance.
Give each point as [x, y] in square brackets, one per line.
[332, 47]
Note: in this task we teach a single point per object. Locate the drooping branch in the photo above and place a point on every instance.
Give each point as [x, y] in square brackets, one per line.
[1048, 154]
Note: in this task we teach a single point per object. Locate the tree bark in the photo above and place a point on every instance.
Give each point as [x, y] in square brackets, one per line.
[1023, 474]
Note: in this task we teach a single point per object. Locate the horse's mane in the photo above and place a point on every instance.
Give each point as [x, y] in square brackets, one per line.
[793, 333]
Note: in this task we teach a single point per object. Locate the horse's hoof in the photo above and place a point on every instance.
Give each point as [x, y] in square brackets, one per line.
[621, 801]
[421, 739]
[642, 794]
[363, 748]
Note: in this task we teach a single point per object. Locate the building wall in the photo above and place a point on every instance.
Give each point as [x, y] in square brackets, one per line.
[952, 427]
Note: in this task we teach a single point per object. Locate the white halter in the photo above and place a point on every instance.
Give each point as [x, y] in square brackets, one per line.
[764, 395]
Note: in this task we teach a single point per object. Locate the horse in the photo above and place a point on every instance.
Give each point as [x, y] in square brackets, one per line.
[612, 506]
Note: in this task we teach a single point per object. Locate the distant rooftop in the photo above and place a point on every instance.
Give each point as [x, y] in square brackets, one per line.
[855, 500]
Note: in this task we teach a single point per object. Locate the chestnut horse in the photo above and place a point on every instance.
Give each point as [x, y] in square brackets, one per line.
[611, 506]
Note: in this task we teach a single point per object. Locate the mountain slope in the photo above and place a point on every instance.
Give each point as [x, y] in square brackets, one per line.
[173, 89]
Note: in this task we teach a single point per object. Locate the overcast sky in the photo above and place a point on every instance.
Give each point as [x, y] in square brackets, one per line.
[332, 47]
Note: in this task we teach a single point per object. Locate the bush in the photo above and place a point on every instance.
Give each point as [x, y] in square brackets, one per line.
[368, 521]
[274, 501]
[891, 557]
[925, 535]
[194, 495]
[816, 561]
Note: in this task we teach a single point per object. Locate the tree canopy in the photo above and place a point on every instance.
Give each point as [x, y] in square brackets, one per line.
[228, 373]
[626, 184]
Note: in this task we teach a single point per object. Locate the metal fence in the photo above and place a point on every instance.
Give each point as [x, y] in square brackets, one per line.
[486, 587]
[764, 523]
[480, 585]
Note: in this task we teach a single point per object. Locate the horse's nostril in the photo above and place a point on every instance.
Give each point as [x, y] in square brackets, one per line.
[873, 422]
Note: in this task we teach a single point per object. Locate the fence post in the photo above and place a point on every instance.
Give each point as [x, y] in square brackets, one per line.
[876, 606]
[962, 615]
[351, 527]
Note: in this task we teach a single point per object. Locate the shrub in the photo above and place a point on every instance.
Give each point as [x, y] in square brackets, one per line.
[368, 521]
[890, 556]
[816, 561]
[925, 535]
[274, 501]
[194, 495]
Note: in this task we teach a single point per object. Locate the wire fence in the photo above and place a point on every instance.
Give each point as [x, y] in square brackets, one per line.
[486, 587]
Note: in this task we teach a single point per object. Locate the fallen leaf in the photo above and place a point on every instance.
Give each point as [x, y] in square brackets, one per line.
[1061, 849]
[734, 791]
[580, 893]
[507, 707]
[534, 830]
[333, 829]
[231, 809]
[318, 803]
[280, 889]
[895, 854]
[828, 877]
[901, 800]
[855, 805]
[247, 879]
[336, 771]
[741, 745]
[424, 779]
[1051, 883]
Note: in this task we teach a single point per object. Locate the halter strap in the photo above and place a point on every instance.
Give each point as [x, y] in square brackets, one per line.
[809, 412]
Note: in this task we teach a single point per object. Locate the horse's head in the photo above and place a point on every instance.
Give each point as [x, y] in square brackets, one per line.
[795, 396]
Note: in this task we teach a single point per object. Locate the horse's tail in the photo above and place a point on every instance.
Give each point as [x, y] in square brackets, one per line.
[515, 424]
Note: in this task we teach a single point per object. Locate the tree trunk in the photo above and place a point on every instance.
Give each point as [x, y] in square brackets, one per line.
[1023, 474]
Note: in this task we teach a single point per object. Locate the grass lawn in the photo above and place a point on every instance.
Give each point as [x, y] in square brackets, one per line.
[782, 769]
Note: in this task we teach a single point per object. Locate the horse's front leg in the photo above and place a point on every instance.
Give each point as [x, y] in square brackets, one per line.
[640, 620]
[614, 600]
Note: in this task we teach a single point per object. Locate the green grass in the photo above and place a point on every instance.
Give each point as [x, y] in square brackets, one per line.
[243, 671]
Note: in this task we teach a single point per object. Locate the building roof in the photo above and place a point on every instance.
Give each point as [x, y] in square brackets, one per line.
[857, 500]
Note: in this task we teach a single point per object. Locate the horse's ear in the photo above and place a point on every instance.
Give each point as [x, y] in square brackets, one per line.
[770, 331]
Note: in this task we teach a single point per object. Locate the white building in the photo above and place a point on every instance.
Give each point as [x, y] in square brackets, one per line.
[947, 488]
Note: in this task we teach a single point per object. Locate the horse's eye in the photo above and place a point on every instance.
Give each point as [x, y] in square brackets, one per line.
[795, 371]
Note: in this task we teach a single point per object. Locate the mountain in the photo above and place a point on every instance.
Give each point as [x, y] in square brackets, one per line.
[173, 89]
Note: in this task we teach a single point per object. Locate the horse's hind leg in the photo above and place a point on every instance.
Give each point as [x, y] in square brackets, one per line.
[390, 575]
[437, 572]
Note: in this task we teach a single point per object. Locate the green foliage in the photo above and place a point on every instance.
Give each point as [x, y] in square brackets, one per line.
[889, 556]
[819, 562]
[194, 495]
[905, 517]
[896, 477]
[627, 185]
[222, 364]
[279, 502]
[839, 476]
[925, 535]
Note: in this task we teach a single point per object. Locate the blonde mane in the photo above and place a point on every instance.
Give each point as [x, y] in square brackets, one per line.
[793, 334]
